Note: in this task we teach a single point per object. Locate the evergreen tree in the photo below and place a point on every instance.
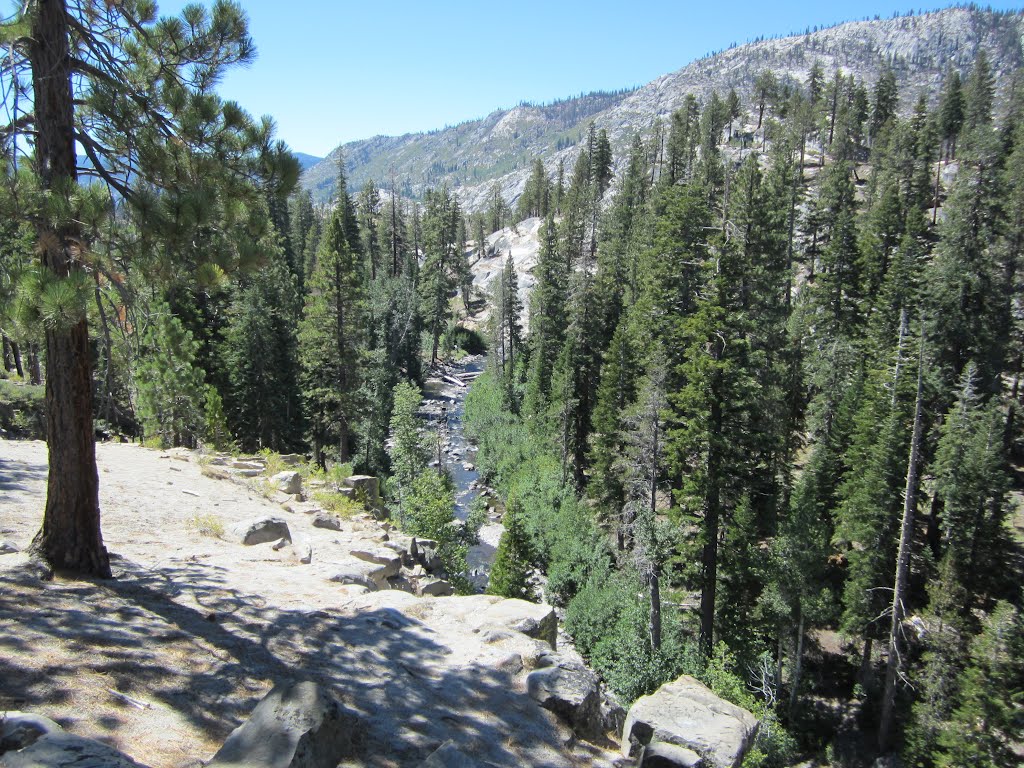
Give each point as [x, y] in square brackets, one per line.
[547, 318]
[971, 484]
[137, 96]
[985, 723]
[510, 572]
[437, 277]
[259, 352]
[330, 337]
[407, 452]
[170, 386]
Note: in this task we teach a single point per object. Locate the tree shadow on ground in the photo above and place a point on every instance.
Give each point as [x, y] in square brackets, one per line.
[179, 638]
[15, 474]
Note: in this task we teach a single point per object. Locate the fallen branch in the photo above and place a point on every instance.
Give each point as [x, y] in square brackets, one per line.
[129, 700]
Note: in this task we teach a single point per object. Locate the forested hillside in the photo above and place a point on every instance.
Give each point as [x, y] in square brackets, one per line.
[764, 427]
[476, 157]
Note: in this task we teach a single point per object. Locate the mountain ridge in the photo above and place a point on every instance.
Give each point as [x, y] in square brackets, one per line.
[499, 148]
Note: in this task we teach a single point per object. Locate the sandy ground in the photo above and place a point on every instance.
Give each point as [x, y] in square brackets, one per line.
[166, 658]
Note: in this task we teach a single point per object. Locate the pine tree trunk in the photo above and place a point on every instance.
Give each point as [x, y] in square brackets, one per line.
[70, 537]
[655, 609]
[35, 376]
[8, 357]
[902, 568]
[798, 664]
[16, 354]
[711, 524]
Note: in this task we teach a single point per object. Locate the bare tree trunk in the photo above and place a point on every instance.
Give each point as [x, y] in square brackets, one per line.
[16, 354]
[8, 357]
[35, 376]
[902, 567]
[798, 664]
[70, 536]
[711, 525]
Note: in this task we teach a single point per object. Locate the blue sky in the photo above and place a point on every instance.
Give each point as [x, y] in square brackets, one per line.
[331, 71]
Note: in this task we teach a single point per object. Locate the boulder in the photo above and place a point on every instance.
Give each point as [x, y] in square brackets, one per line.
[31, 741]
[686, 713]
[7, 548]
[658, 754]
[246, 466]
[322, 519]
[22, 729]
[533, 620]
[366, 487]
[295, 726]
[260, 530]
[292, 459]
[363, 574]
[572, 692]
[386, 558]
[428, 587]
[287, 482]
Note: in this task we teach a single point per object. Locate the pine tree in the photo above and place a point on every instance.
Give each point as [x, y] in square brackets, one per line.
[971, 483]
[168, 143]
[407, 452]
[329, 342]
[170, 386]
[513, 561]
[437, 277]
[547, 318]
[985, 722]
[260, 357]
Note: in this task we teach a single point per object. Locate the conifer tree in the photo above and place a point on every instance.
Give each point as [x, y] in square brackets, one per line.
[437, 277]
[330, 337]
[260, 357]
[547, 318]
[170, 386]
[137, 97]
[510, 572]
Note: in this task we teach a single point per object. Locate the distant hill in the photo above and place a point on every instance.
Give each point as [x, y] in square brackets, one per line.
[307, 161]
[469, 157]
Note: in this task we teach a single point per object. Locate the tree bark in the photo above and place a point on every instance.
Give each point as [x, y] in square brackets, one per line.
[70, 537]
[35, 375]
[16, 354]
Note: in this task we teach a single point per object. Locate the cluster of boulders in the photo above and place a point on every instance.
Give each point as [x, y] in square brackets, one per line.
[301, 725]
[385, 558]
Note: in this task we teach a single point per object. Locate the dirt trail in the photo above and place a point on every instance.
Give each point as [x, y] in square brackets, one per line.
[164, 660]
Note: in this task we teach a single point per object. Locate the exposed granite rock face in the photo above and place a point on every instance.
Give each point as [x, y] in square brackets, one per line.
[687, 714]
[572, 692]
[295, 726]
[32, 741]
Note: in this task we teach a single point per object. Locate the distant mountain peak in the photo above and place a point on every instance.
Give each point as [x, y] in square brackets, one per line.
[500, 148]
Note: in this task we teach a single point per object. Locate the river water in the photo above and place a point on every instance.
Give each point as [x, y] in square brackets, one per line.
[443, 408]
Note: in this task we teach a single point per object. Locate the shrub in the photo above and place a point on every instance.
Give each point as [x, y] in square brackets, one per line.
[22, 411]
[205, 525]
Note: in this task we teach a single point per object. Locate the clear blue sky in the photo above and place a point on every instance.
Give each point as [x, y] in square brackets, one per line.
[331, 71]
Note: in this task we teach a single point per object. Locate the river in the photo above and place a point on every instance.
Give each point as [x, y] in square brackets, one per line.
[443, 407]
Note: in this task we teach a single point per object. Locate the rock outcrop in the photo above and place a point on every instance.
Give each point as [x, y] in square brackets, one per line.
[686, 713]
[572, 692]
[32, 741]
[295, 726]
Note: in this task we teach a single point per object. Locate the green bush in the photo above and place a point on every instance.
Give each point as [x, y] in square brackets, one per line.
[22, 412]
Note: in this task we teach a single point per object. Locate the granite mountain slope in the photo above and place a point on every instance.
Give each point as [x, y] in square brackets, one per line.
[472, 156]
